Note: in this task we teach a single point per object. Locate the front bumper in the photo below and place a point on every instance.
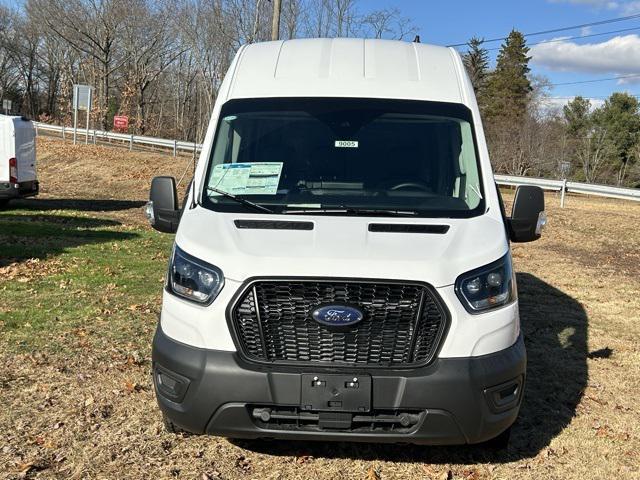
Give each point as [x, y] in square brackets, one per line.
[453, 400]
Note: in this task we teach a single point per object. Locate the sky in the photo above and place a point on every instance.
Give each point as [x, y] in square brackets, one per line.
[561, 61]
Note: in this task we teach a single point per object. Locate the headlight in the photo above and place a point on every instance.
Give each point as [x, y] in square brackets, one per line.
[193, 279]
[487, 287]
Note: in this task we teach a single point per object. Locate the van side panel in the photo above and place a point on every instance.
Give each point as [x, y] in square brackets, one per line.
[25, 145]
[17, 140]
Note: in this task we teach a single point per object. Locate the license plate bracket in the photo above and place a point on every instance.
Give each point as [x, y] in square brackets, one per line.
[336, 393]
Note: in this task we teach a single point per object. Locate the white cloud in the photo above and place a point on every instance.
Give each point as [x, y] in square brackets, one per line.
[552, 106]
[599, 4]
[618, 56]
[625, 7]
[630, 8]
[556, 103]
[586, 30]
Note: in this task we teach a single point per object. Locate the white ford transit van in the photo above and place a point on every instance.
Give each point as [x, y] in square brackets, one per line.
[341, 267]
[17, 159]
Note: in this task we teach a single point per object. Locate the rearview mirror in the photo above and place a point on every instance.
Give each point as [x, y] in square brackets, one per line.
[162, 208]
[527, 214]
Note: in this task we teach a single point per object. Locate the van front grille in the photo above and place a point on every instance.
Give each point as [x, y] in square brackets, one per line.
[403, 324]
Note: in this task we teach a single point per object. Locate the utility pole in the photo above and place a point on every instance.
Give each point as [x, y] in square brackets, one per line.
[275, 25]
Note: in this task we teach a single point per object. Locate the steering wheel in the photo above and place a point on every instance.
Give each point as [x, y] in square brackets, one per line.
[413, 185]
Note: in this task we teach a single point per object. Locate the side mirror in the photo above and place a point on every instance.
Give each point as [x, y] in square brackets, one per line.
[527, 214]
[162, 208]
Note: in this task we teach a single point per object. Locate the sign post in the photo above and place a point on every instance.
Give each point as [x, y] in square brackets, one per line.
[6, 104]
[564, 170]
[82, 95]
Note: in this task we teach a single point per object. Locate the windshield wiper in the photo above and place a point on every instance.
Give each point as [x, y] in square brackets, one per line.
[350, 211]
[247, 203]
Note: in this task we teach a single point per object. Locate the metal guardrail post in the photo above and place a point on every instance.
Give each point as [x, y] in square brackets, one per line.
[131, 143]
[563, 191]
[175, 148]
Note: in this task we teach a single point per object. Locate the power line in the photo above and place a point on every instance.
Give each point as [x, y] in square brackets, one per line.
[619, 77]
[594, 97]
[574, 37]
[555, 30]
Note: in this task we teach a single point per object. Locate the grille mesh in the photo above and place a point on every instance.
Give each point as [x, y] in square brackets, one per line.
[272, 320]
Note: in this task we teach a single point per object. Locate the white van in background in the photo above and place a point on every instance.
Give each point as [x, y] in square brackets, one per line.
[342, 264]
[17, 159]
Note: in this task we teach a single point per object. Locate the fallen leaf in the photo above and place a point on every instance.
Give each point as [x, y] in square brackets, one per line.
[25, 467]
[372, 474]
[243, 463]
[215, 475]
[446, 475]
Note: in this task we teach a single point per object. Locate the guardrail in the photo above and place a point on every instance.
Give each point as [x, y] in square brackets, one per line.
[562, 186]
[94, 136]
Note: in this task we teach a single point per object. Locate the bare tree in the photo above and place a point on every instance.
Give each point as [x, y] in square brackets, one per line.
[291, 18]
[9, 78]
[22, 48]
[592, 153]
[92, 27]
[345, 17]
[149, 50]
[388, 23]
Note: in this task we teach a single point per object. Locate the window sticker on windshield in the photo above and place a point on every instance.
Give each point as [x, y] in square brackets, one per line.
[346, 144]
[259, 178]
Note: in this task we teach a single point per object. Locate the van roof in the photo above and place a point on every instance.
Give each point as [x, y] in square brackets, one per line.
[348, 67]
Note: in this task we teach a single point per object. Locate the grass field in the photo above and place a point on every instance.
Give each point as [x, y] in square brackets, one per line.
[80, 286]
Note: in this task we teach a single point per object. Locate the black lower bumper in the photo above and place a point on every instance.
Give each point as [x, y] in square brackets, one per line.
[450, 401]
[18, 190]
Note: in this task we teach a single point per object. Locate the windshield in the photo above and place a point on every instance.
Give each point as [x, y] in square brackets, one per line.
[338, 156]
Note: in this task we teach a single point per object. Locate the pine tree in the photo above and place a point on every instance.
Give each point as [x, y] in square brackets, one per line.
[509, 87]
[621, 118]
[476, 62]
[577, 116]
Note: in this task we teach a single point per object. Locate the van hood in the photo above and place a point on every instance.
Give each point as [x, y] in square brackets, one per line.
[341, 247]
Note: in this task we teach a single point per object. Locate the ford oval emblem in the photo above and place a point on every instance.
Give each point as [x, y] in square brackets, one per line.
[337, 315]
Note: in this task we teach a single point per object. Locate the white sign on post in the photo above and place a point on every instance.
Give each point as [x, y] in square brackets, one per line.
[6, 105]
[82, 95]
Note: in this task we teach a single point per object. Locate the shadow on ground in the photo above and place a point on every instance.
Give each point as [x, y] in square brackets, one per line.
[25, 236]
[555, 329]
[78, 204]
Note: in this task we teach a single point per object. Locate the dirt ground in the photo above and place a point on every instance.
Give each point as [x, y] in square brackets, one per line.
[80, 286]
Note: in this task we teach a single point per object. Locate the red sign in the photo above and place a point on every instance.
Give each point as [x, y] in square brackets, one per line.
[120, 122]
